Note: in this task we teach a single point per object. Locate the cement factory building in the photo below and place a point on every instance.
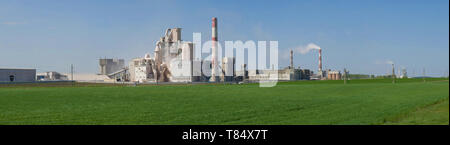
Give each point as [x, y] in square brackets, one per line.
[17, 75]
[164, 67]
[173, 61]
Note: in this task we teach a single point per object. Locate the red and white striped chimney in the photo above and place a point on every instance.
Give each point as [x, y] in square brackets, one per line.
[214, 49]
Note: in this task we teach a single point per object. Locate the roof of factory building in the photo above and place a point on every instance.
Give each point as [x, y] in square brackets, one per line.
[17, 69]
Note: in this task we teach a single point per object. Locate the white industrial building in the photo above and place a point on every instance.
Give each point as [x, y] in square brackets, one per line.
[172, 61]
[17, 75]
[228, 69]
[140, 69]
[51, 76]
[287, 74]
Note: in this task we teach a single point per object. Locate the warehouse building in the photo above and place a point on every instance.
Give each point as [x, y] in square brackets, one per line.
[17, 75]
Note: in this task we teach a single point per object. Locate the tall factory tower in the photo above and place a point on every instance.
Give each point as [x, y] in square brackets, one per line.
[320, 72]
[214, 50]
[292, 59]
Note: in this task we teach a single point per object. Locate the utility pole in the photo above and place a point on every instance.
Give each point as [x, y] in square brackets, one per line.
[71, 74]
[345, 76]
[423, 75]
[393, 74]
[157, 74]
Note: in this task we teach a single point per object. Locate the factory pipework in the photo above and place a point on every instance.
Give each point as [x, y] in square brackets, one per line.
[214, 50]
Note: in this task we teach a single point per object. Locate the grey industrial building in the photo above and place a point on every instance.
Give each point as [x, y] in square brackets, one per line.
[108, 66]
[17, 75]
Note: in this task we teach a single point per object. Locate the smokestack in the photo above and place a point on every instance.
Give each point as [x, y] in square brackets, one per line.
[393, 74]
[320, 60]
[292, 59]
[214, 50]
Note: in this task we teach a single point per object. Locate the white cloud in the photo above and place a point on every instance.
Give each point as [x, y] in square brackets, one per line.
[307, 48]
[261, 33]
[384, 62]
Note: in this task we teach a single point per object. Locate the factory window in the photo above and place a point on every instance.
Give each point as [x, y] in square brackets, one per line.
[11, 78]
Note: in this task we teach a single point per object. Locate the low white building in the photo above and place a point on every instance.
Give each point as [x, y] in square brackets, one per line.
[51, 76]
[88, 77]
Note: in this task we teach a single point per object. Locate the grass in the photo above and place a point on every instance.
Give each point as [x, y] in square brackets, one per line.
[375, 101]
[435, 114]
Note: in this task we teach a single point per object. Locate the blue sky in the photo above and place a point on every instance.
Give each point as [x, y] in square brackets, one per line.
[359, 35]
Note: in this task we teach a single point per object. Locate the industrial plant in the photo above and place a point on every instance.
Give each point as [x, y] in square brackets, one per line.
[173, 61]
[171, 52]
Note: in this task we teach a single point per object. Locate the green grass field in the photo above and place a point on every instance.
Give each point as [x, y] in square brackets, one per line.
[378, 101]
